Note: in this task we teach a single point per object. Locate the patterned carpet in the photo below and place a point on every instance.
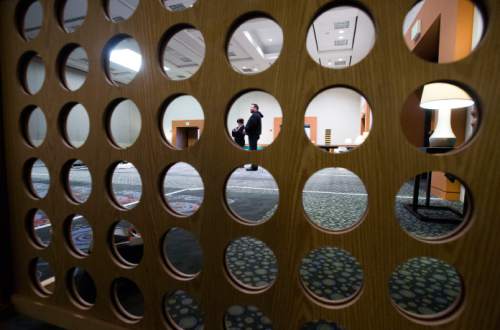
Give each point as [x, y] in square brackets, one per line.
[321, 325]
[183, 311]
[425, 287]
[183, 252]
[331, 274]
[240, 317]
[251, 263]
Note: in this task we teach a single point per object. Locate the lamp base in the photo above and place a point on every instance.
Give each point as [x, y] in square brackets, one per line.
[442, 142]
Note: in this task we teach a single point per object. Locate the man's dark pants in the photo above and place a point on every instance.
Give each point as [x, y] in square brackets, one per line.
[252, 141]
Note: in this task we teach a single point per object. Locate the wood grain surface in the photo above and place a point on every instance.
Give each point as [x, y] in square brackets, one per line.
[386, 78]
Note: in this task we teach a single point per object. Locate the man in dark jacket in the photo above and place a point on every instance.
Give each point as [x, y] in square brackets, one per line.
[238, 133]
[253, 129]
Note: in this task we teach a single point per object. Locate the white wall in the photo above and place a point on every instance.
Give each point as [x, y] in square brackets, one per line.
[35, 75]
[268, 106]
[77, 126]
[478, 28]
[338, 109]
[125, 123]
[184, 107]
[37, 127]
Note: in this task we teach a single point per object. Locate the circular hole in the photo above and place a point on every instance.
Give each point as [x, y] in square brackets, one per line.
[320, 325]
[183, 311]
[425, 288]
[126, 185]
[127, 243]
[335, 199]
[124, 124]
[39, 179]
[176, 5]
[182, 253]
[443, 31]
[183, 189]
[81, 235]
[252, 194]
[75, 67]
[183, 122]
[246, 317]
[73, 14]
[183, 52]
[128, 299]
[32, 19]
[331, 275]
[32, 70]
[43, 276]
[35, 126]
[79, 182]
[40, 228]
[440, 117]
[82, 287]
[338, 120]
[122, 59]
[433, 206]
[251, 263]
[119, 11]
[340, 37]
[263, 120]
[76, 125]
[255, 45]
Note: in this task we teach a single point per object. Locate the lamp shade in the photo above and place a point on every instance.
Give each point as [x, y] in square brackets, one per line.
[437, 96]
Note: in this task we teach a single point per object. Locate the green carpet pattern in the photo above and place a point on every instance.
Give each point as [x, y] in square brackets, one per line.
[331, 273]
[425, 286]
[183, 311]
[240, 317]
[251, 263]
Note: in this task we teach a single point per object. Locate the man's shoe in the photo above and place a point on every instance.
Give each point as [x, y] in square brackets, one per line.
[252, 169]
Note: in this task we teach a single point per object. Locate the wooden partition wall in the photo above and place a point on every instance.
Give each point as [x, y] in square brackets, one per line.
[386, 77]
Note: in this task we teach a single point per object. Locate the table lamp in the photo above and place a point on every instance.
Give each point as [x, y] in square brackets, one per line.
[444, 98]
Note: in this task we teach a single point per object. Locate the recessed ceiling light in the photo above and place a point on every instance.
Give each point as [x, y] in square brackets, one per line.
[167, 68]
[270, 39]
[341, 37]
[341, 31]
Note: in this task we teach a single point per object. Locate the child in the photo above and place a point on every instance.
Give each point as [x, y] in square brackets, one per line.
[238, 133]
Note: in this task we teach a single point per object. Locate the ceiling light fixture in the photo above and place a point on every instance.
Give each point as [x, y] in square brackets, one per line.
[249, 37]
[127, 58]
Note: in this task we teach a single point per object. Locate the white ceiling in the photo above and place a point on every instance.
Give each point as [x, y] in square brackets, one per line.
[341, 37]
[183, 54]
[178, 5]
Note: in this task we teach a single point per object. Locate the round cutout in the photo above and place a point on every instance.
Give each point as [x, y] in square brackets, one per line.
[425, 288]
[331, 275]
[76, 125]
[252, 194]
[81, 235]
[128, 299]
[182, 122]
[43, 276]
[255, 45]
[183, 52]
[340, 37]
[433, 206]
[35, 126]
[182, 253]
[176, 5]
[82, 287]
[254, 120]
[79, 182]
[440, 117]
[123, 59]
[119, 11]
[73, 14]
[39, 178]
[127, 243]
[246, 317]
[251, 263]
[40, 228]
[126, 185]
[32, 70]
[335, 199]
[74, 67]
[431, 32]
[183, 311]
[31, 19]
[183, 189]
[124, 124]
[338, 120]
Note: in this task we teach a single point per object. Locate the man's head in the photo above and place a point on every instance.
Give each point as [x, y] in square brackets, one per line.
[254, 108]
[240, 121]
